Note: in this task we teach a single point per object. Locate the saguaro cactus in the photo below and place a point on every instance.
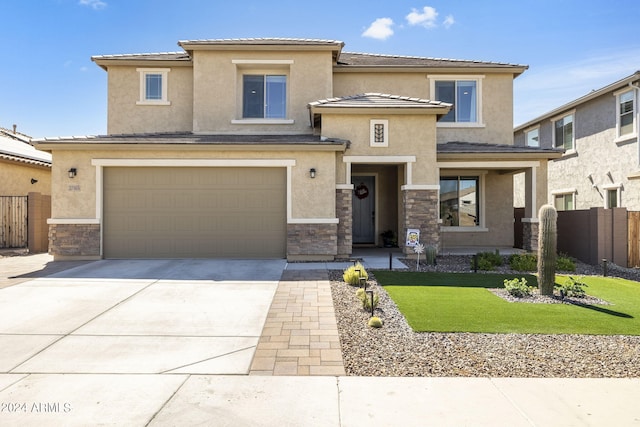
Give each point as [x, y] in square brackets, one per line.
[547, 247]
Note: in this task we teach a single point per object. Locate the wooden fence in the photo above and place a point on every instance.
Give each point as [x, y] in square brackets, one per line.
[13, 222]
[634, 239]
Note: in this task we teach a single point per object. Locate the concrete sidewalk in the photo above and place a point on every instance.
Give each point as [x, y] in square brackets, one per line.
[136, 343]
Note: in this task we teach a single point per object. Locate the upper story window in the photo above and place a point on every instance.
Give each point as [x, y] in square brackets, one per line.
[563, 133]
[532, 137]
[264, 96]
[379, 133]
[465, 93]
[153, 86]
[460, 201]
[625, 115]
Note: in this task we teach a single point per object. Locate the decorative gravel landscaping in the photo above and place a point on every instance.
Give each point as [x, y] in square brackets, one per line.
[396, 350]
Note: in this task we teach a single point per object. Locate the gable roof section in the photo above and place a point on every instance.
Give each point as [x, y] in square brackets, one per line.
[633, 78]
[380, 101]
[15, 148]
[172, 58]
[360, 61]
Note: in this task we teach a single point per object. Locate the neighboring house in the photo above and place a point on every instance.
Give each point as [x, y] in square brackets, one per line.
[599, 133]
[23, 169]
[292, 148]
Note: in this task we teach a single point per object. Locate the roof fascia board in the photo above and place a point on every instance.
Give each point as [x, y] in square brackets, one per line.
[325, 109]
[516, 71]
[137, 146]
[448, 157]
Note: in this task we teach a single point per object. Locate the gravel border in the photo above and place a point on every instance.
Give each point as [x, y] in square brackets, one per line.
[396, 350]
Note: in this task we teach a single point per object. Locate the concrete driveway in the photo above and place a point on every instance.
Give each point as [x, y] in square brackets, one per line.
[138, 317]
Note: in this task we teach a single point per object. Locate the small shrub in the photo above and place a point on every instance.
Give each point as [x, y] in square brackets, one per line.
[572, 287]
[488, 260]
[430, 253]
[565, 263]
[523, 262]
[518, 287]
[352, 277]
[375, 322]
[365, 298]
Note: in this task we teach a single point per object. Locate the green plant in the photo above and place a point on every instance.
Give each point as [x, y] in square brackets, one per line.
[518, 287]
[547, 243]
[389, 238]
[487, 260]
[572, 287]
[375, 322]
[353, 274]
[565, 263]
[523, 262]
[365, 298]
[430, 253]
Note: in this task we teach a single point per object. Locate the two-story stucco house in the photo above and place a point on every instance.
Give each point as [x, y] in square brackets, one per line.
[599, 133]
[292, 148]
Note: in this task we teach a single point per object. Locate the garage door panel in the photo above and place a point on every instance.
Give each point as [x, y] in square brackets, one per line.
[194, 212]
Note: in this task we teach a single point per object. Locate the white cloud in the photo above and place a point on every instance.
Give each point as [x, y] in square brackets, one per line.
[448, 21]
[427, 18]
[380, 29]
[93, 4]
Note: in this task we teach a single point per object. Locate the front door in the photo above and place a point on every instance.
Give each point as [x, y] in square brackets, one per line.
[364, 214]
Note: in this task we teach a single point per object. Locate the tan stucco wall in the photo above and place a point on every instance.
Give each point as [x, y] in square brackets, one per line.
[541, 188]
[497, 101]
[218, 88]
[15, 179]
[125, 117]
[76, 198]
[409, 135]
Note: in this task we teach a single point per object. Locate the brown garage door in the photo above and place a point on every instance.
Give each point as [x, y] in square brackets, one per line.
[161, 212]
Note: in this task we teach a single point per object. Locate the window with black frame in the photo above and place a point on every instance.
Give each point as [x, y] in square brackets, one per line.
[459, 201]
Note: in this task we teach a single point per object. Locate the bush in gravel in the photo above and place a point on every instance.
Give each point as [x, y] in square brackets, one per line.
[523, 262]
[352, 276]
[365, 298]
[518, 287]
[565, 263]
[572, 287]
[375, 322]
[488, 260]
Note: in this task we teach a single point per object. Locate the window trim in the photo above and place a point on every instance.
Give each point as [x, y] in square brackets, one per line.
[478, 78]
[526, 138]
[143, 72]
[553, 120]
[610, 187]
[564, 192]
[372, 132]
[262, 67]
[634, 115]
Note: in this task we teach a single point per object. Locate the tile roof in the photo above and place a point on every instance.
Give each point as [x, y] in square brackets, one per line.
[262, 41]
[16, 147]
[161, 56]
[378, 100]
[377, 60]
[478, 147]
[195, 139]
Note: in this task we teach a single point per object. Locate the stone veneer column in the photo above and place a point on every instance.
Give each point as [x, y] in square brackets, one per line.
[312, 242]
[530, 235]
[74, 240]
[421, 212]
[344, 213]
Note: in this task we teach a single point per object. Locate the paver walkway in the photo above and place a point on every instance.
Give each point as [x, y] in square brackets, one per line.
[300, 335]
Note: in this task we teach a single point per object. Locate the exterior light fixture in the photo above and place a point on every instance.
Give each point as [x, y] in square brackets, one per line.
[312, 172]
[33, 180]
[73, 172]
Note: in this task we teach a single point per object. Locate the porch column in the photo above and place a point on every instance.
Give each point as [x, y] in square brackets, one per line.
[420, 206]
[530, 220]
[344, 213]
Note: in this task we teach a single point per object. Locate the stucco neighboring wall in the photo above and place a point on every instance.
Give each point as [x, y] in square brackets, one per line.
[15, 179]
[75, 198]
[126, 117]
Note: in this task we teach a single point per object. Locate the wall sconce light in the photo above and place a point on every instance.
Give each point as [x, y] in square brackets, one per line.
[33, 181]
[72, 173]
[312, 172]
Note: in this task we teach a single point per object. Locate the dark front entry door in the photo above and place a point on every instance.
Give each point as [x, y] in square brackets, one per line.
[364, 215]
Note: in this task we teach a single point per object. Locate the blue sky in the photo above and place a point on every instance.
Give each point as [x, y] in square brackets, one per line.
[50, 87]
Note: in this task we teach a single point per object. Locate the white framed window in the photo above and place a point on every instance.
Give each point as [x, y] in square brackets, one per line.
[532, 137]
[612, 196]
[564, 133]
[379, 133]
[154, 84]
[564, 200]
[465, 93]
[460, 201]
[625, 114]
[264, 96]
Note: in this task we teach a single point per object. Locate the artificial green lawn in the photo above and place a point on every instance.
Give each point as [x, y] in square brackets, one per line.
[460, 302]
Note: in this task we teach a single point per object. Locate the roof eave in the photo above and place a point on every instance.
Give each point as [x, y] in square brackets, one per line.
[470, 155]
[341, 68]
